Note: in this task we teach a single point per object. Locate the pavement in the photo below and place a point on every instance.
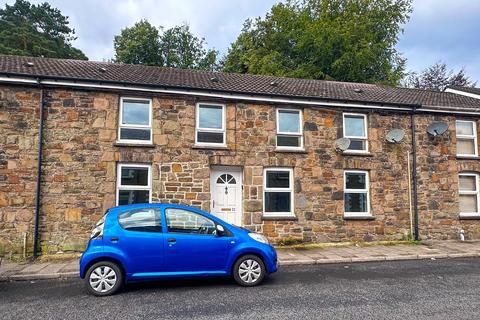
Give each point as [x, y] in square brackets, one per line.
[413, 289]
[10, 271]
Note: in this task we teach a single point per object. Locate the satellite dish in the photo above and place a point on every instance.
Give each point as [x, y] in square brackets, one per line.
[342, 144]
[395, 135]
[437, 128]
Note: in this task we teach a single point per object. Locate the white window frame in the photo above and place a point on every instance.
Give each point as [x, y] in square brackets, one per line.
[128, 187]
[366, 190]
[135, 126]
[467, 192]
[290, 189]
[299, 134]
[199, 129]
[467, 137]
[365, 138]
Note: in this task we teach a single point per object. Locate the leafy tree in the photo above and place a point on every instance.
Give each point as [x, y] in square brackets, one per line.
[139, 44]
[437, 77]
[36, 30]
[176, 47]
[182, 49]
[346, 40]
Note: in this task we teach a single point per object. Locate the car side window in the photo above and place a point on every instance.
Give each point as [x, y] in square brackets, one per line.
[183, 221]
[146, 220]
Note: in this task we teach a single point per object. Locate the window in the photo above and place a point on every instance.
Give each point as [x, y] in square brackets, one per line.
[468, 194]
[356, 194]
[146, 220]
[135, 121]
[355, 128]
[133, 184]
[278, 192]
[289, 129]
[210, 124]
[183, 221]
[466, 138]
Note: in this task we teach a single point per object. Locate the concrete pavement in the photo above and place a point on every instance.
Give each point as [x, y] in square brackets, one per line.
[287, 256]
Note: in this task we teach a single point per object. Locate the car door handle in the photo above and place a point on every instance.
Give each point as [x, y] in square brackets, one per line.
[172, 240]
[114, 239]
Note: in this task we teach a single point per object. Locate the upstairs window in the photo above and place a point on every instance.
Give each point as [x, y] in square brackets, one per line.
[466, 138]
[278, 192]
[468, 194]
[355, 128]
[210, 124]
[289, 129]
[356, 193]
[134, 184]
[135, 120]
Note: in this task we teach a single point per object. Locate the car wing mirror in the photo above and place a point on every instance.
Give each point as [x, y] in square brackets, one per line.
[220, 230]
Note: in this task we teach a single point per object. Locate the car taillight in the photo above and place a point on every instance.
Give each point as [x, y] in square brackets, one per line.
[97, 232]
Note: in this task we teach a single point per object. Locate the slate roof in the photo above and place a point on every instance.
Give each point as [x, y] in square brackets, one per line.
[254, 85]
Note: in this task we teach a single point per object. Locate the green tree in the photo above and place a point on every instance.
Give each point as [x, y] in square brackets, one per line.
[139, 44]
[36, 30]
[345, 40]
[182, 49]
[437, 77]
[176, 47]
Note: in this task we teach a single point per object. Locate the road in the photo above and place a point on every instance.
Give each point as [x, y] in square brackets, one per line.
[440, 289]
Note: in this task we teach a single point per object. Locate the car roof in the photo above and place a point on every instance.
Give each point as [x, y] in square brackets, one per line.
[153, 205]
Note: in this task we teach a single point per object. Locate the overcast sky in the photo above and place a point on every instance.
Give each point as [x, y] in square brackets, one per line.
[443, 30]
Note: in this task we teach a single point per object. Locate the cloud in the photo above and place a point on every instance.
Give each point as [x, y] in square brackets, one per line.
[443, 30]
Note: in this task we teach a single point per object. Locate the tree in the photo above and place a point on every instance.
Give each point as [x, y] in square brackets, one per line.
[182, 49]
[139, 44]
[176, 47]
[36, 30]
[346, 40]
[437, 77]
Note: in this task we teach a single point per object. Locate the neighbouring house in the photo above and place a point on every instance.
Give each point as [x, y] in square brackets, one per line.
[465, 91]
[257, 151]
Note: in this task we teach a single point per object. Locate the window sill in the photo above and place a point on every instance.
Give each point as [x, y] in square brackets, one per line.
[279, 218]
[135, 145]
[211, 147]
[468, 217]
[287, 150]
[461, 157]
[364, 217]
[353, 153]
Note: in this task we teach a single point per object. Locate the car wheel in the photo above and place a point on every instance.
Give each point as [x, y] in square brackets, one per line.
[249, 271]
[104, 278]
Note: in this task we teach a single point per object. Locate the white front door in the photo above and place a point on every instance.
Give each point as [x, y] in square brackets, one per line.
[226, 190]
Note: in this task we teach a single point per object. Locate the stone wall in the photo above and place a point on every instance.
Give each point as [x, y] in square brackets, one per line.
[81, 157]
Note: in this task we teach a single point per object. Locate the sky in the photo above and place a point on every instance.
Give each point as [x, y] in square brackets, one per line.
[439, 30]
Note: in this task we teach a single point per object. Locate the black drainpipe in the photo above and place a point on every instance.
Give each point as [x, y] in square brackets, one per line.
[414, 176]
[39, 173]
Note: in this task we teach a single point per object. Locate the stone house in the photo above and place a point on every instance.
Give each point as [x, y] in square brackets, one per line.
[256, 151]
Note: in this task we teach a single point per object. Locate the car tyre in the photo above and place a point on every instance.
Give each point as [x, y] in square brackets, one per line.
[104, 278]
[249, 271]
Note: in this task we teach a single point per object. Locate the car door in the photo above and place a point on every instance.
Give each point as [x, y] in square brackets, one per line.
[191, 244]
[139, 236]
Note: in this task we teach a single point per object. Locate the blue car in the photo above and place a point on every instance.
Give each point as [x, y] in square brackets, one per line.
[156, 241]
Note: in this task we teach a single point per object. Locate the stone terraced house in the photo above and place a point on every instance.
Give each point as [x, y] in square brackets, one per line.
[256, 151]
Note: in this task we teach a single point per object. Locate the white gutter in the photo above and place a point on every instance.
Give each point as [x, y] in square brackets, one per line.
[221, 95]
[463, 93]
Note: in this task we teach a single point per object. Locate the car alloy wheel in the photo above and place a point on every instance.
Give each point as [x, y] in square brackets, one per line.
[249, 271]
[104, 278]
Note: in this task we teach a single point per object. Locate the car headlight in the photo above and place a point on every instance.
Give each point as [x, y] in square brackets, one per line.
[258, 237]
